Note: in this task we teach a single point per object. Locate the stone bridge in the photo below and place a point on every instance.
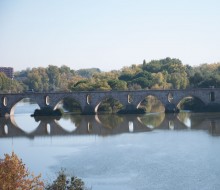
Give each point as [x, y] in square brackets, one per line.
[90, 100]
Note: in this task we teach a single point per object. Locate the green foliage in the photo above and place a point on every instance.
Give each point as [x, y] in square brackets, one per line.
[88, 73]
[205, 75]
[153, 67]
[8, 85]
[168, 73]
[126, 77]
[64, 182]
[143, 82]
[151, 104]
[117, 84]
[110, 105]
[83, 85]
[71, 105]
[171, 72]
[51, 78]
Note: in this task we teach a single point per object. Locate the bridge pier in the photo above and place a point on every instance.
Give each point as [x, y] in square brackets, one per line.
[171, 108]
[131, 109]
[88, 110]
[4, 111]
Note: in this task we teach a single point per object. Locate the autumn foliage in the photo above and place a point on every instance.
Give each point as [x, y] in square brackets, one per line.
[15, 176]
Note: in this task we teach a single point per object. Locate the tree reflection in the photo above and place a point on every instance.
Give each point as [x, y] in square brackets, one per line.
[152, 120]
[111, 121]
[105, 125]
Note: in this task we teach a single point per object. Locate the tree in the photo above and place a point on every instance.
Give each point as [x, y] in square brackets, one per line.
[38, 79]
[143, 82]
[159, 81]
[126, 77]
[54, 76]
[110, 105]
[9, 85]
[117, 84]
[63, 182]
[4, 82]
[14, 175]
[87, 73]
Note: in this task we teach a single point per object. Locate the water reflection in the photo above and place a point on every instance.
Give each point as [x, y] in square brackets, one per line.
[107, 124]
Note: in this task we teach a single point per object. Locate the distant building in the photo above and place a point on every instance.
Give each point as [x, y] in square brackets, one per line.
[9, 71]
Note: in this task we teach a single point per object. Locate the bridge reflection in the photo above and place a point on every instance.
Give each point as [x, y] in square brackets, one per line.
[105, 125]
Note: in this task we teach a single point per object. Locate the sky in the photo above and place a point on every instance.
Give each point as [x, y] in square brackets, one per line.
[107, 34]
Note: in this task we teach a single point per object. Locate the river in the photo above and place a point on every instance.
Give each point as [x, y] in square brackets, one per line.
[151, 151]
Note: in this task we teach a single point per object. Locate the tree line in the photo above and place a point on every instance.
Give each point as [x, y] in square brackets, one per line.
[168, 73]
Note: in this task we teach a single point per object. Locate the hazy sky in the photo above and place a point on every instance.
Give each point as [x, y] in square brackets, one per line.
[107, 34]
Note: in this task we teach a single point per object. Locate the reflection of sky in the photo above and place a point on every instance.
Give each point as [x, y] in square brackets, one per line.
[67, 124]
[29, 125]
[131, 126]
[25, 108]
[41, 153]
[187, 122]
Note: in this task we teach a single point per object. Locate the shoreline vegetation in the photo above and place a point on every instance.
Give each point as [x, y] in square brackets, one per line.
[47, 112]
[167, 73]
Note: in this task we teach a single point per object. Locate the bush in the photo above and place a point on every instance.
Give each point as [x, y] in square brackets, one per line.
[64, 182]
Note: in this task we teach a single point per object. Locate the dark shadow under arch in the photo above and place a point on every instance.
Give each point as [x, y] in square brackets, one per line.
[191, 103]
[69, 105]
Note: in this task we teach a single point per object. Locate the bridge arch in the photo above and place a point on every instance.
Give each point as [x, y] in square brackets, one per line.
[108, 104]
[151, 103]
[191, 103]
[28, 127]
[24, 101]
[69, 104]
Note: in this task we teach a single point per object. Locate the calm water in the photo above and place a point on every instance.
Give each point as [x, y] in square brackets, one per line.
[152, 151]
